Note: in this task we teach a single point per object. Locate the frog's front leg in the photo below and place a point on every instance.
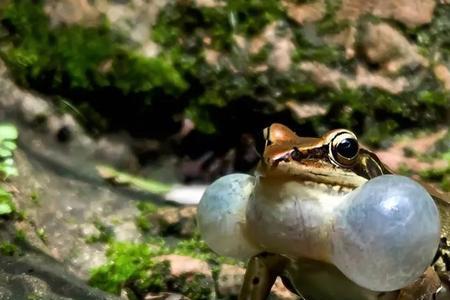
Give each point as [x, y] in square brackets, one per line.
[262, 271]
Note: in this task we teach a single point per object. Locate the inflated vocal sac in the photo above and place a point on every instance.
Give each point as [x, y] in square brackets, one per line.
[382, 235]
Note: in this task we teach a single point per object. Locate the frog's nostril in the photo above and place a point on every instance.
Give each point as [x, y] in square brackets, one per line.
[296, 154]
[386, 234]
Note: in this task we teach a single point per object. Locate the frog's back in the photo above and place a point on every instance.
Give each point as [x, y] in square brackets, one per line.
[321, 281]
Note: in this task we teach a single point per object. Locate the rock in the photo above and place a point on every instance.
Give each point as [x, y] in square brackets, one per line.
[412, 13]
[280, 41]
[429, 284]
[443, 74]
[116, 151]
[189, 276]
[209, 3]
[325, 76]
[365, 78]
[443, 144]
[345, 38]
[37, 276]
[134, 19]
[185, 265]
[283, 47]
[305, 12]
[174, 221]
[230, 280]
[70, 12]
[165, 296]
[280, 292]
[305, 110]
[388, 47]
[394, 156]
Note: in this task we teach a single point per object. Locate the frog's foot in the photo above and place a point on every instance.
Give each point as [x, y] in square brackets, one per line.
[426, 287]
[262, 271]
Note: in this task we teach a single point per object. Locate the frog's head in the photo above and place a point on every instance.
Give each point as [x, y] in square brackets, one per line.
[335, 158]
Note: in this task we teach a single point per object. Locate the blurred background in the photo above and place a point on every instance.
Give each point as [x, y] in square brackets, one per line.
[115, 114]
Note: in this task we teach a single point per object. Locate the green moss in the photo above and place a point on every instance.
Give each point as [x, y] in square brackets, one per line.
[146, 209]
[105, 235]
[42, 235]
[105, 80]
[243, 14]
[329, 24]
[432, 38]
[35, 296]
[83, 64]
[440, 176]
[196, 247]
[35, 199]
[20, 236]
[8, 249]
[131, 265]
[197, 286]
[75, 56]
[181, 23]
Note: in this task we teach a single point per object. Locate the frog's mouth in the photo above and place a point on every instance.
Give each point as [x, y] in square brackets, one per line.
[312, 171]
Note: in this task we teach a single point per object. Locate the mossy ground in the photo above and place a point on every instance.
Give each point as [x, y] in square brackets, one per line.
[134, 267]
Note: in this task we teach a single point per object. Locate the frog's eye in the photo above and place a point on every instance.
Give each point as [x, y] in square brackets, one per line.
[344, 148]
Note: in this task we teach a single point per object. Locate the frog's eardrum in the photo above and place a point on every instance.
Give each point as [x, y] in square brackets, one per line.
[221, 216]
[386, 233]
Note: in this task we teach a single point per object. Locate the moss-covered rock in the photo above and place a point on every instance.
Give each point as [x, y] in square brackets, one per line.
[92, 66]
[154, 268]
[222, 64]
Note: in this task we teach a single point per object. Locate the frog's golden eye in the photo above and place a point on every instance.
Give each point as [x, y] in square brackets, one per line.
[344, 148]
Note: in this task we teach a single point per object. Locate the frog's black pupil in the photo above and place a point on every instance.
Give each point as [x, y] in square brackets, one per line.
[348, 148]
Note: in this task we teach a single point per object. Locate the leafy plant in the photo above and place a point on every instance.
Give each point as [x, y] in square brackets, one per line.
[6, 204]
[8, 137]
[8, 249]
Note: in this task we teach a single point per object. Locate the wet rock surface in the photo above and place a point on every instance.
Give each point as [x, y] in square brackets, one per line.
[32, 277]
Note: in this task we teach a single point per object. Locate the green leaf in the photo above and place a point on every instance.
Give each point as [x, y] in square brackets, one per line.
[8, 132]
[446, 156]
[4, 153]
[10, 145]
[7, 170]
[5, 209]
[6, 204]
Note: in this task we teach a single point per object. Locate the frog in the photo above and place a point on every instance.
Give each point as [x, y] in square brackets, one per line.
[326, 166]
